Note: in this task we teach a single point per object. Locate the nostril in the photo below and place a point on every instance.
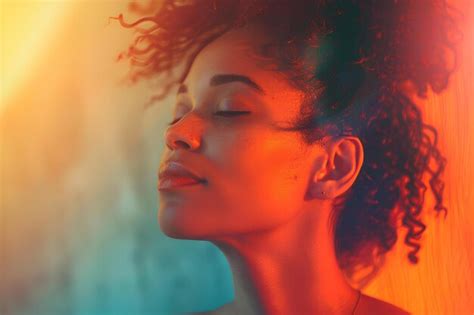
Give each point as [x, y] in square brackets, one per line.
[180, 143]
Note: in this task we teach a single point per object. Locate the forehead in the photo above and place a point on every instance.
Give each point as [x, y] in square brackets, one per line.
[232, 52]
[235, 52]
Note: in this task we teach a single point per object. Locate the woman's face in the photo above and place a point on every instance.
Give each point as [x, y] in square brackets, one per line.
[257, 176]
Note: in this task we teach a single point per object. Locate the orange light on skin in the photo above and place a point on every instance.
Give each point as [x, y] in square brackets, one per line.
[272, 227]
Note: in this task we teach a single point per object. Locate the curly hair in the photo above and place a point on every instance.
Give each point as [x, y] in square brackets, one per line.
[352, 58]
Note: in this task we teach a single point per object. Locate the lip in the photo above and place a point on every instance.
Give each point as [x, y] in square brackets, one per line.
[174, 175]
[168, 183]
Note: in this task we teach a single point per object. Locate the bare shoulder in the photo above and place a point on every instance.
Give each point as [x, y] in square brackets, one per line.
[371, 305]
[367, 306]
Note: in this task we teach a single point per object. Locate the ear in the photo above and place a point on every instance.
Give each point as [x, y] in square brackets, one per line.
[337, 171]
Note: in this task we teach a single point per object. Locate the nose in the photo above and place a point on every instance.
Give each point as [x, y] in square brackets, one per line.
[183, 134]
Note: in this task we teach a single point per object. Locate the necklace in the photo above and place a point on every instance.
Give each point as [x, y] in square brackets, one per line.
[357, 303]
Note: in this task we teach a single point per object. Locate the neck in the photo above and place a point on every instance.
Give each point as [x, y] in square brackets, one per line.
[290, 269]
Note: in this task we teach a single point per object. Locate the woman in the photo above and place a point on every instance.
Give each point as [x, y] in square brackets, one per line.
[294, 147]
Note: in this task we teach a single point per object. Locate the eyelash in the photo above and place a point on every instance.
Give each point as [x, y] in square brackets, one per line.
[221, 113]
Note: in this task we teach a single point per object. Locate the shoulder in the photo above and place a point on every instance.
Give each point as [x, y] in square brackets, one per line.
[371, 305]
[367, 305]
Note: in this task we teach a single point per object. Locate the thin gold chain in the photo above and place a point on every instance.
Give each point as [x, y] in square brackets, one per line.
[357, 303]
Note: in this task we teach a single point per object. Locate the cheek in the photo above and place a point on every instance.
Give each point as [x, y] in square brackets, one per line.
[263, 176]
[258, 181]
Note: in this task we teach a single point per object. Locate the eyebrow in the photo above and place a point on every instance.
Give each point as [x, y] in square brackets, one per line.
[220, 79]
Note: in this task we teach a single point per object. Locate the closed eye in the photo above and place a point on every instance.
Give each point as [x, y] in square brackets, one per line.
[173, 122]
[231, 113]
[219, 113]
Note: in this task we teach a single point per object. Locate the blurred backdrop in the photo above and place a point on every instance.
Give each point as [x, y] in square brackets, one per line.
[79, 157]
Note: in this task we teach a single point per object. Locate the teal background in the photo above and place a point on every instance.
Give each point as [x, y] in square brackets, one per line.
[79, 158]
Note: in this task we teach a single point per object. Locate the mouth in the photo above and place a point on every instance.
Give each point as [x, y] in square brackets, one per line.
[172, 183]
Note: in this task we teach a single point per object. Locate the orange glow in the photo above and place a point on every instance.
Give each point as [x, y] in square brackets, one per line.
[79, 157]
[22, 23]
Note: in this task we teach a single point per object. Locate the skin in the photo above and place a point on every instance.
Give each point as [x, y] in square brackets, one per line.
[262, 203]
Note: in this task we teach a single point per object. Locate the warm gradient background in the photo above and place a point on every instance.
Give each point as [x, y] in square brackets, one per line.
[79, 157]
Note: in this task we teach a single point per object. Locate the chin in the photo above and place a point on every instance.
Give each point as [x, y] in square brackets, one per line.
[171, 227]
[177, 227]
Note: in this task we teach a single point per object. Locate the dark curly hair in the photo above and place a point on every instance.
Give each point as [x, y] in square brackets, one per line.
[352, 58]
